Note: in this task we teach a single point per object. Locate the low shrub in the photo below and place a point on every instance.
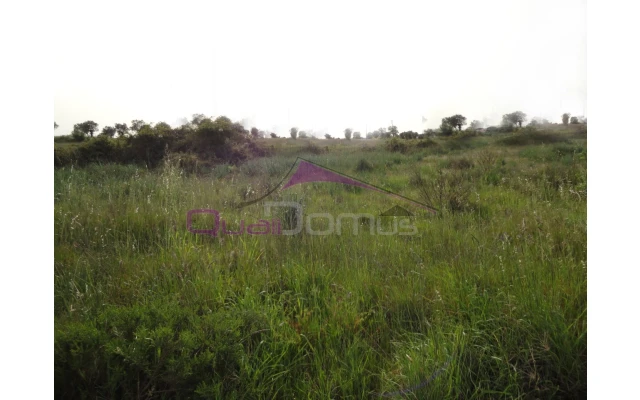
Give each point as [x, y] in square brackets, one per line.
[313, 149]
[364, 166]
[426, 143]
[185, 161]
[68, 138]
[396, 146]
[63, 156]
[145, 148]
[98, 150]
[448, 191]
[486, 159]
[460, 163]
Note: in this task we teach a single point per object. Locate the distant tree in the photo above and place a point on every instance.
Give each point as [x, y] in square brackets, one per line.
[108, 131]
[262, 134]
[475, 125]
[137, 124]
[514, 118]
[347, 133]
[565, 118]
[446, 127]
[457, 121]
[122, 129]
[255, 133]
[55, 125]
[273, 135]
[146, 129]
[537, 121]
[393, 130]
[210, 136]
[88, 127]
[327, 136]
[357, 135]
[429, 132]
[302, 135]
[409, 135]
[162, 129]
[78, 134]
[578, 120]
[293, 132]
[197, 119]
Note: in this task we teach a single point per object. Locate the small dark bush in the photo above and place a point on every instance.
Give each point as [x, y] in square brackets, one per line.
[68, 138]
[460, 163]
[396, 146]
[313, 149]
[409, 135]
[426, 143]
[457, 144]
[364, 166]
[486, 159]
[145, 148]
[461, 135]
[98, 150]
[64, 155]
[185, 161]
[499, 129]
[447, 191]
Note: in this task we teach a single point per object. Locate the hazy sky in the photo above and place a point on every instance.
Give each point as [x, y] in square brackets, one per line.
[319, 66]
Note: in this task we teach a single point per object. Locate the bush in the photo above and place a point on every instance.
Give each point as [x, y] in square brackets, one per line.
[460, 163]
[209, 142]
[98, 150]
[426, 143]
[63, 156]
[499, 129]
[75, 138]
[396, 146]
[448, 192]
[145, 148]
[409, 135]
[364, 166]
[185, 161]
[466, 134]
[457, 144]
[486, 159]
[313, 149]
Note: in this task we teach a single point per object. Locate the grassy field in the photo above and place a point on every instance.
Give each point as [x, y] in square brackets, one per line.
[487, 300]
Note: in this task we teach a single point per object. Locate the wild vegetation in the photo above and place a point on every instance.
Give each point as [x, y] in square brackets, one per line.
[487, 300]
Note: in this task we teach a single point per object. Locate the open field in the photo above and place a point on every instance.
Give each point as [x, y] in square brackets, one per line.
[488, 298]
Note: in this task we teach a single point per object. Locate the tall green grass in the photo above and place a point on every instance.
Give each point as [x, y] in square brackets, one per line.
[495, 291]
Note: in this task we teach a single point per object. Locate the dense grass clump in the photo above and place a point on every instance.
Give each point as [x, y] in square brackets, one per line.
[490, 292]
[364, 166]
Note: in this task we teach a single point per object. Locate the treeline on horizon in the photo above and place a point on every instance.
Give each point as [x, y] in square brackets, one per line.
[221, 140]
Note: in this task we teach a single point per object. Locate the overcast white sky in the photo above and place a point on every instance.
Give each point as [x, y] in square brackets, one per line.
[319, 66]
